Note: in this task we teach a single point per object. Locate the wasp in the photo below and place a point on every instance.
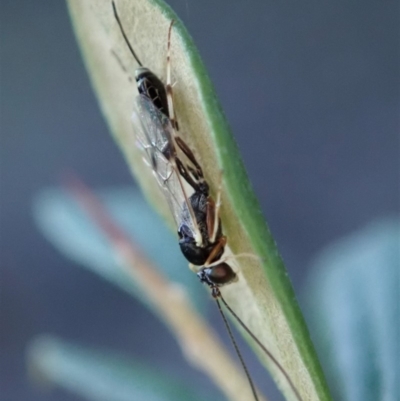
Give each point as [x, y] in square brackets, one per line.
[186, 190]
[179, 174]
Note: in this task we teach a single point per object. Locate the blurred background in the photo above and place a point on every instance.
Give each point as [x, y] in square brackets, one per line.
[311, 91]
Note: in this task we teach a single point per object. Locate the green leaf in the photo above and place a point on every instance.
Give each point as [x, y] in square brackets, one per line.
[98, 375]
[73, 233]
[354, 305]
[263, 296]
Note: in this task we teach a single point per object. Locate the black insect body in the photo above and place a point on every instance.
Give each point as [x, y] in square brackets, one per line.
[198, 255]
[182, 181]
[200, 238]
[152, 91]
[147, 82]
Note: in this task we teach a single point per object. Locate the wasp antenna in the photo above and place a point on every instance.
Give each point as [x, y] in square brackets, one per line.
[246, 371]
[124, 34]
[258, 342]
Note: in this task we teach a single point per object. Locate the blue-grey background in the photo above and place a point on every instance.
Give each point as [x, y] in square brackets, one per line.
[311, 90]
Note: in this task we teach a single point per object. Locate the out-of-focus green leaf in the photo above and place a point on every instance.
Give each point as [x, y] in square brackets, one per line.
[71, 231]
[354, 304]
[100, 376]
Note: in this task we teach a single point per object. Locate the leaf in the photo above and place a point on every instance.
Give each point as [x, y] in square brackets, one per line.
[69, 229]
[263, 296]
[98, 375]
[64, 225]
[354, 305]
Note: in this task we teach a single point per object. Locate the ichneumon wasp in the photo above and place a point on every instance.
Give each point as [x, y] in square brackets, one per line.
[182, 181]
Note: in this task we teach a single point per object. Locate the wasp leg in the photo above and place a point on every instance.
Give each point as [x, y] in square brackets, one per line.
[189, 154]
[168, 85]
[182, 170]
[216, 250]
[235, 257]
[210, 219]
[215, 212]
[246, 255]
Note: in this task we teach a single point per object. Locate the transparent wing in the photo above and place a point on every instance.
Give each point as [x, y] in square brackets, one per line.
[155, 136]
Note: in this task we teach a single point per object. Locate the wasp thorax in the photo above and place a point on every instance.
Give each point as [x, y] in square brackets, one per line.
[217, 275]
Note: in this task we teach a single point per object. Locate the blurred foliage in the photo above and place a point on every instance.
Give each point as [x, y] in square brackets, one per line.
[63, 222]
[100, 376]
[353, 304]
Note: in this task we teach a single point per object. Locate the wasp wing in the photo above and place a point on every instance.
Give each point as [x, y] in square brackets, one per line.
[155, 136]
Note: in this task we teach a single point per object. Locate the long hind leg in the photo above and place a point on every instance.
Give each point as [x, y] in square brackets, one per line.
[182, 170]
[168, 84]
[213, 220]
